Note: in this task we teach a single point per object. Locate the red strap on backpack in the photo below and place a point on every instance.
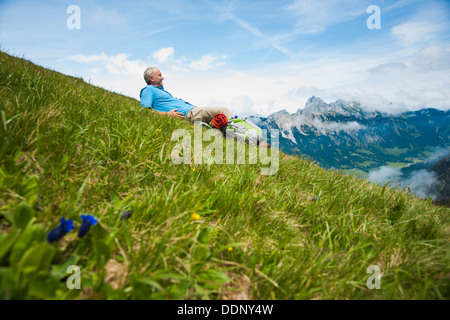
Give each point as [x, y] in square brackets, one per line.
[219, 121]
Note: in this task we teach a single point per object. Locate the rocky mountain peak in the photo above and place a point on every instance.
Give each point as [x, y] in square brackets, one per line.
[316, 106]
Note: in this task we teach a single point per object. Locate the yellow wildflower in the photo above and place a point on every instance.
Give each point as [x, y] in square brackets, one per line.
[195, 216]
[230, 249]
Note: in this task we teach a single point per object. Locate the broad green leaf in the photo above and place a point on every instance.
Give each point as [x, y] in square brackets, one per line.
[22, 216]
[36, 259]
[60, 271]
[46, 287]
[204, 236]
[201, 253]
[7, 243]
[34, 234]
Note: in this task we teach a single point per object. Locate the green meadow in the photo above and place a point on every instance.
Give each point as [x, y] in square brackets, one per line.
[195, 231]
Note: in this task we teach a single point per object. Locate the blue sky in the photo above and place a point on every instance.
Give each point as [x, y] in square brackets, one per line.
[251, 56]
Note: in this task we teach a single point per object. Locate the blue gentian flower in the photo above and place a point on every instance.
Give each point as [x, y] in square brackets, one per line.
[126, 215]
[88, 221]
[60, 231]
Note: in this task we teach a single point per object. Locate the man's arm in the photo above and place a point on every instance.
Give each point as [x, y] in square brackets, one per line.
[171, 113]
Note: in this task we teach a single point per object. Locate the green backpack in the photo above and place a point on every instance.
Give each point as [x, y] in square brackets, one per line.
[243, 130]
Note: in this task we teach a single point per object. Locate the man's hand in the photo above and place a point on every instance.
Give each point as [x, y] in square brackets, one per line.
[175, 114]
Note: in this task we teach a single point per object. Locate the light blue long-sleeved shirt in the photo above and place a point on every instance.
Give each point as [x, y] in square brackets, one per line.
[161, 100]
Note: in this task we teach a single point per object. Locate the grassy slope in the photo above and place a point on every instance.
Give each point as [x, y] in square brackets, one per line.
[69, 148]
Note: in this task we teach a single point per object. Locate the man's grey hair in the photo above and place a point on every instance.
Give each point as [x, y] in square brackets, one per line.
[148, 73]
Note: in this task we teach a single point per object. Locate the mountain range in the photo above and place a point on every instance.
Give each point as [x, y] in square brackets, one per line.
[345, 136]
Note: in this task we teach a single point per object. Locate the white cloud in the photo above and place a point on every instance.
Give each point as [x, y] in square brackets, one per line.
[126, 84]
[178, 68]
[419, 82]
[398, 4]
[386, 83]
[335, 126]
[390, 84]
[263, 40]
[120, 64]
[415, 32]
[243, 93]
[244, 24]
[437, 154]
[163, 54]
[422, 182]
[122, 74]
[117, 64]
[426, 24]
[388, 68]
[88, 59]
[244, 104]
[207, 62]
[433, 57]
[384, 175]
[316, 16]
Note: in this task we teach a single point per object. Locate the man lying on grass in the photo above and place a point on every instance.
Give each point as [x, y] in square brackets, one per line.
[154, 96]
[159, 100]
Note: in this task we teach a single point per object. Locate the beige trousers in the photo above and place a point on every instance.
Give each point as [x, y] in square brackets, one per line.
[206, 114]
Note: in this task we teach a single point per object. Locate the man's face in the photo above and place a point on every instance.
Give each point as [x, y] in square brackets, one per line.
[157, 78]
